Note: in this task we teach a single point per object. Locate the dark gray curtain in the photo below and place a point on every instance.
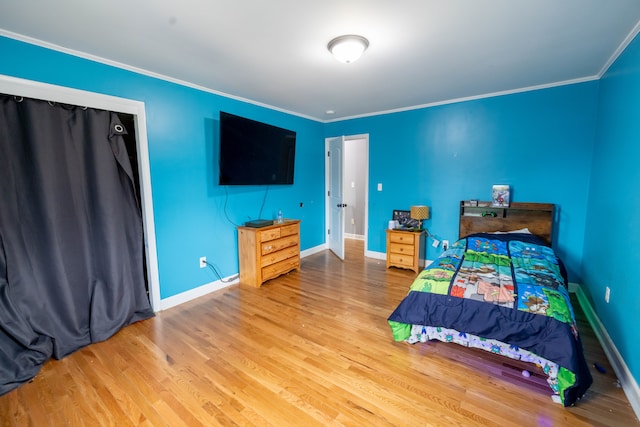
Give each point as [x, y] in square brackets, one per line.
[71, 244]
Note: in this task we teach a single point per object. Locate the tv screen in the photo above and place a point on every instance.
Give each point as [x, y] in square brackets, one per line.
[255, 153]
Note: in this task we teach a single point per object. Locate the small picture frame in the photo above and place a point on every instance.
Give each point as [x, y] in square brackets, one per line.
[401, 216]
[500, 196]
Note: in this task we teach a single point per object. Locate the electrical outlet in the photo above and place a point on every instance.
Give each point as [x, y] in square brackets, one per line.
[445, 245]
[607, 294]
[203, 262]
[353, 221]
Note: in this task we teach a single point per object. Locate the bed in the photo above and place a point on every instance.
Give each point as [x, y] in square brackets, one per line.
[502, 289]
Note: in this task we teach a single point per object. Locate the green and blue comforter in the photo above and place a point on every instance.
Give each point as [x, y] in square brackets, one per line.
[508, 288]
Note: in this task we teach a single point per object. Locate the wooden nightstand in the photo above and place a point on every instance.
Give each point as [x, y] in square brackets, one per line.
[405, 249]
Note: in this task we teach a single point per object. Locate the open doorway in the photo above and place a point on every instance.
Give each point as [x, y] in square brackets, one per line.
[347, 187]
[354, 187]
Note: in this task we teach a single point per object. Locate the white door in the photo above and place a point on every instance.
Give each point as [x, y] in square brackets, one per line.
[335, 202]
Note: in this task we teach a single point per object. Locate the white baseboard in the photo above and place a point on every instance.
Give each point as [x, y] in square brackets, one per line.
[628, 383]
[375, 255]
[203, 290]
[314, 250]
[198, 292]
[353, 236]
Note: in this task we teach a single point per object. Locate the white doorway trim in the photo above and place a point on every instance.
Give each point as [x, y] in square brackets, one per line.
[48, 92]
[365, 137]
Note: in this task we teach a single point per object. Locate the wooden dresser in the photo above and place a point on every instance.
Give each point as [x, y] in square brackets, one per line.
[405, 249]
[268, 252]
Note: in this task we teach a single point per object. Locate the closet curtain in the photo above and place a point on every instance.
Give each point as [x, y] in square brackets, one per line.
[71, 242]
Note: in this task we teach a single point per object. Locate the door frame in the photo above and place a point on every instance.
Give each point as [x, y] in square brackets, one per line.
[346, 139]
[44, 91]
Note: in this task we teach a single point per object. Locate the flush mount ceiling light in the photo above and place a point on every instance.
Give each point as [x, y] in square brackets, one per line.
[348, 48]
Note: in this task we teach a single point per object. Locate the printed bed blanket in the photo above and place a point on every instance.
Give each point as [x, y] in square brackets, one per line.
[504, 287]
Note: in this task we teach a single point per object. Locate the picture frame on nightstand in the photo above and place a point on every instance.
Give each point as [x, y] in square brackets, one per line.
[401, 216]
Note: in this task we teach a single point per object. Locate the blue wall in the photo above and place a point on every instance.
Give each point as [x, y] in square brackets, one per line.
[182, 127]
[538, 142]
[612, 237]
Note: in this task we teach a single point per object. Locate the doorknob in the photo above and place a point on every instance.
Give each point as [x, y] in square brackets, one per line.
[341, 205]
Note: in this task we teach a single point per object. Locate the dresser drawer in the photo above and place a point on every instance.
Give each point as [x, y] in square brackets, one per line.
[275, 257]
[399, 248]
[289, 230]
[278, 244]
[266, 235]
[274, 270]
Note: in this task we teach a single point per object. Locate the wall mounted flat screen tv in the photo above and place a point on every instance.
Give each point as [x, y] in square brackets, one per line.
[255, 153]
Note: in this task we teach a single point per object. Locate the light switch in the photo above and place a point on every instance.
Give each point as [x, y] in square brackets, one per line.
[379, 186]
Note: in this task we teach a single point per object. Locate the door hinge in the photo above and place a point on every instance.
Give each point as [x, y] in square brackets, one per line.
[328, 153]
[328, 231]
[329, 193]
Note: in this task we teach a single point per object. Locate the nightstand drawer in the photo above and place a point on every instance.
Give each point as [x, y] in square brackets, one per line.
[399, 248]
[401, 237]
[401, 260]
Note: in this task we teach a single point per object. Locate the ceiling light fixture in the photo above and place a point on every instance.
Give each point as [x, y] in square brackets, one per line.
[348, 48]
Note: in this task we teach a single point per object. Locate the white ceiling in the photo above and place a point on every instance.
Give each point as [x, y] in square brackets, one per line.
[273, 52]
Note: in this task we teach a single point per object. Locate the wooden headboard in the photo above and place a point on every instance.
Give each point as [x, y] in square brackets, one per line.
[537, 217]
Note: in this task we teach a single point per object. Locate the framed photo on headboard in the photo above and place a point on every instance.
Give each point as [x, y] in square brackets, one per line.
[500, 196]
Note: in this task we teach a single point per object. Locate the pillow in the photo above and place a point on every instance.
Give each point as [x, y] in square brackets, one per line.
[522, 230]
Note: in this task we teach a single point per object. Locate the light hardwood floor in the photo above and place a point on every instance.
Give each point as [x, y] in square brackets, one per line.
[311, 348]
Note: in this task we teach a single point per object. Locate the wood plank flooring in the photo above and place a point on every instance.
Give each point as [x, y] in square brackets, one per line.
[311, 348]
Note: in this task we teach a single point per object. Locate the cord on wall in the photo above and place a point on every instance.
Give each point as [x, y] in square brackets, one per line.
[213, 268]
